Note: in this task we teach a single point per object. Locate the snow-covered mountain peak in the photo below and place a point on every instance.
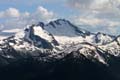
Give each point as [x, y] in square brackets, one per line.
[59, 22]
[102, 38]
[62, 32]
[112, 47]
[60, 38]
[66, 33]
[34, 36]
[64, 28]
[41, 24]
[118, 39]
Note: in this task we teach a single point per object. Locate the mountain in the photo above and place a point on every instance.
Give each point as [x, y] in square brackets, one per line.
[113, 47]
[61, 43]
[54, 38]
[62, 28]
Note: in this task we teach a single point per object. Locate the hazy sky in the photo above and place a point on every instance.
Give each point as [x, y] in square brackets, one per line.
[94, 15]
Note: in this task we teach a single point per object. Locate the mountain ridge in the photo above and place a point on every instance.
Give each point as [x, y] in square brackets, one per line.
[54, 39]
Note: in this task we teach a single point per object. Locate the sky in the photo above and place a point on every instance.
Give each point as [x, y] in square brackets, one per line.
[92, 15]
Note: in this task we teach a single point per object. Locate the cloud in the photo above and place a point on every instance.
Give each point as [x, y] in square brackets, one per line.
[97, 25]
[94, 4]
[42, 14]
[11, 30]
[109, 9]
[100, 15]
[13, 18]
[92, 21]
[80, 4]
[106, 9]
[11, 12]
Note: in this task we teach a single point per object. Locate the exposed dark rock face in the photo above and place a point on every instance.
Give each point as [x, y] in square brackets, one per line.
[68, 68]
